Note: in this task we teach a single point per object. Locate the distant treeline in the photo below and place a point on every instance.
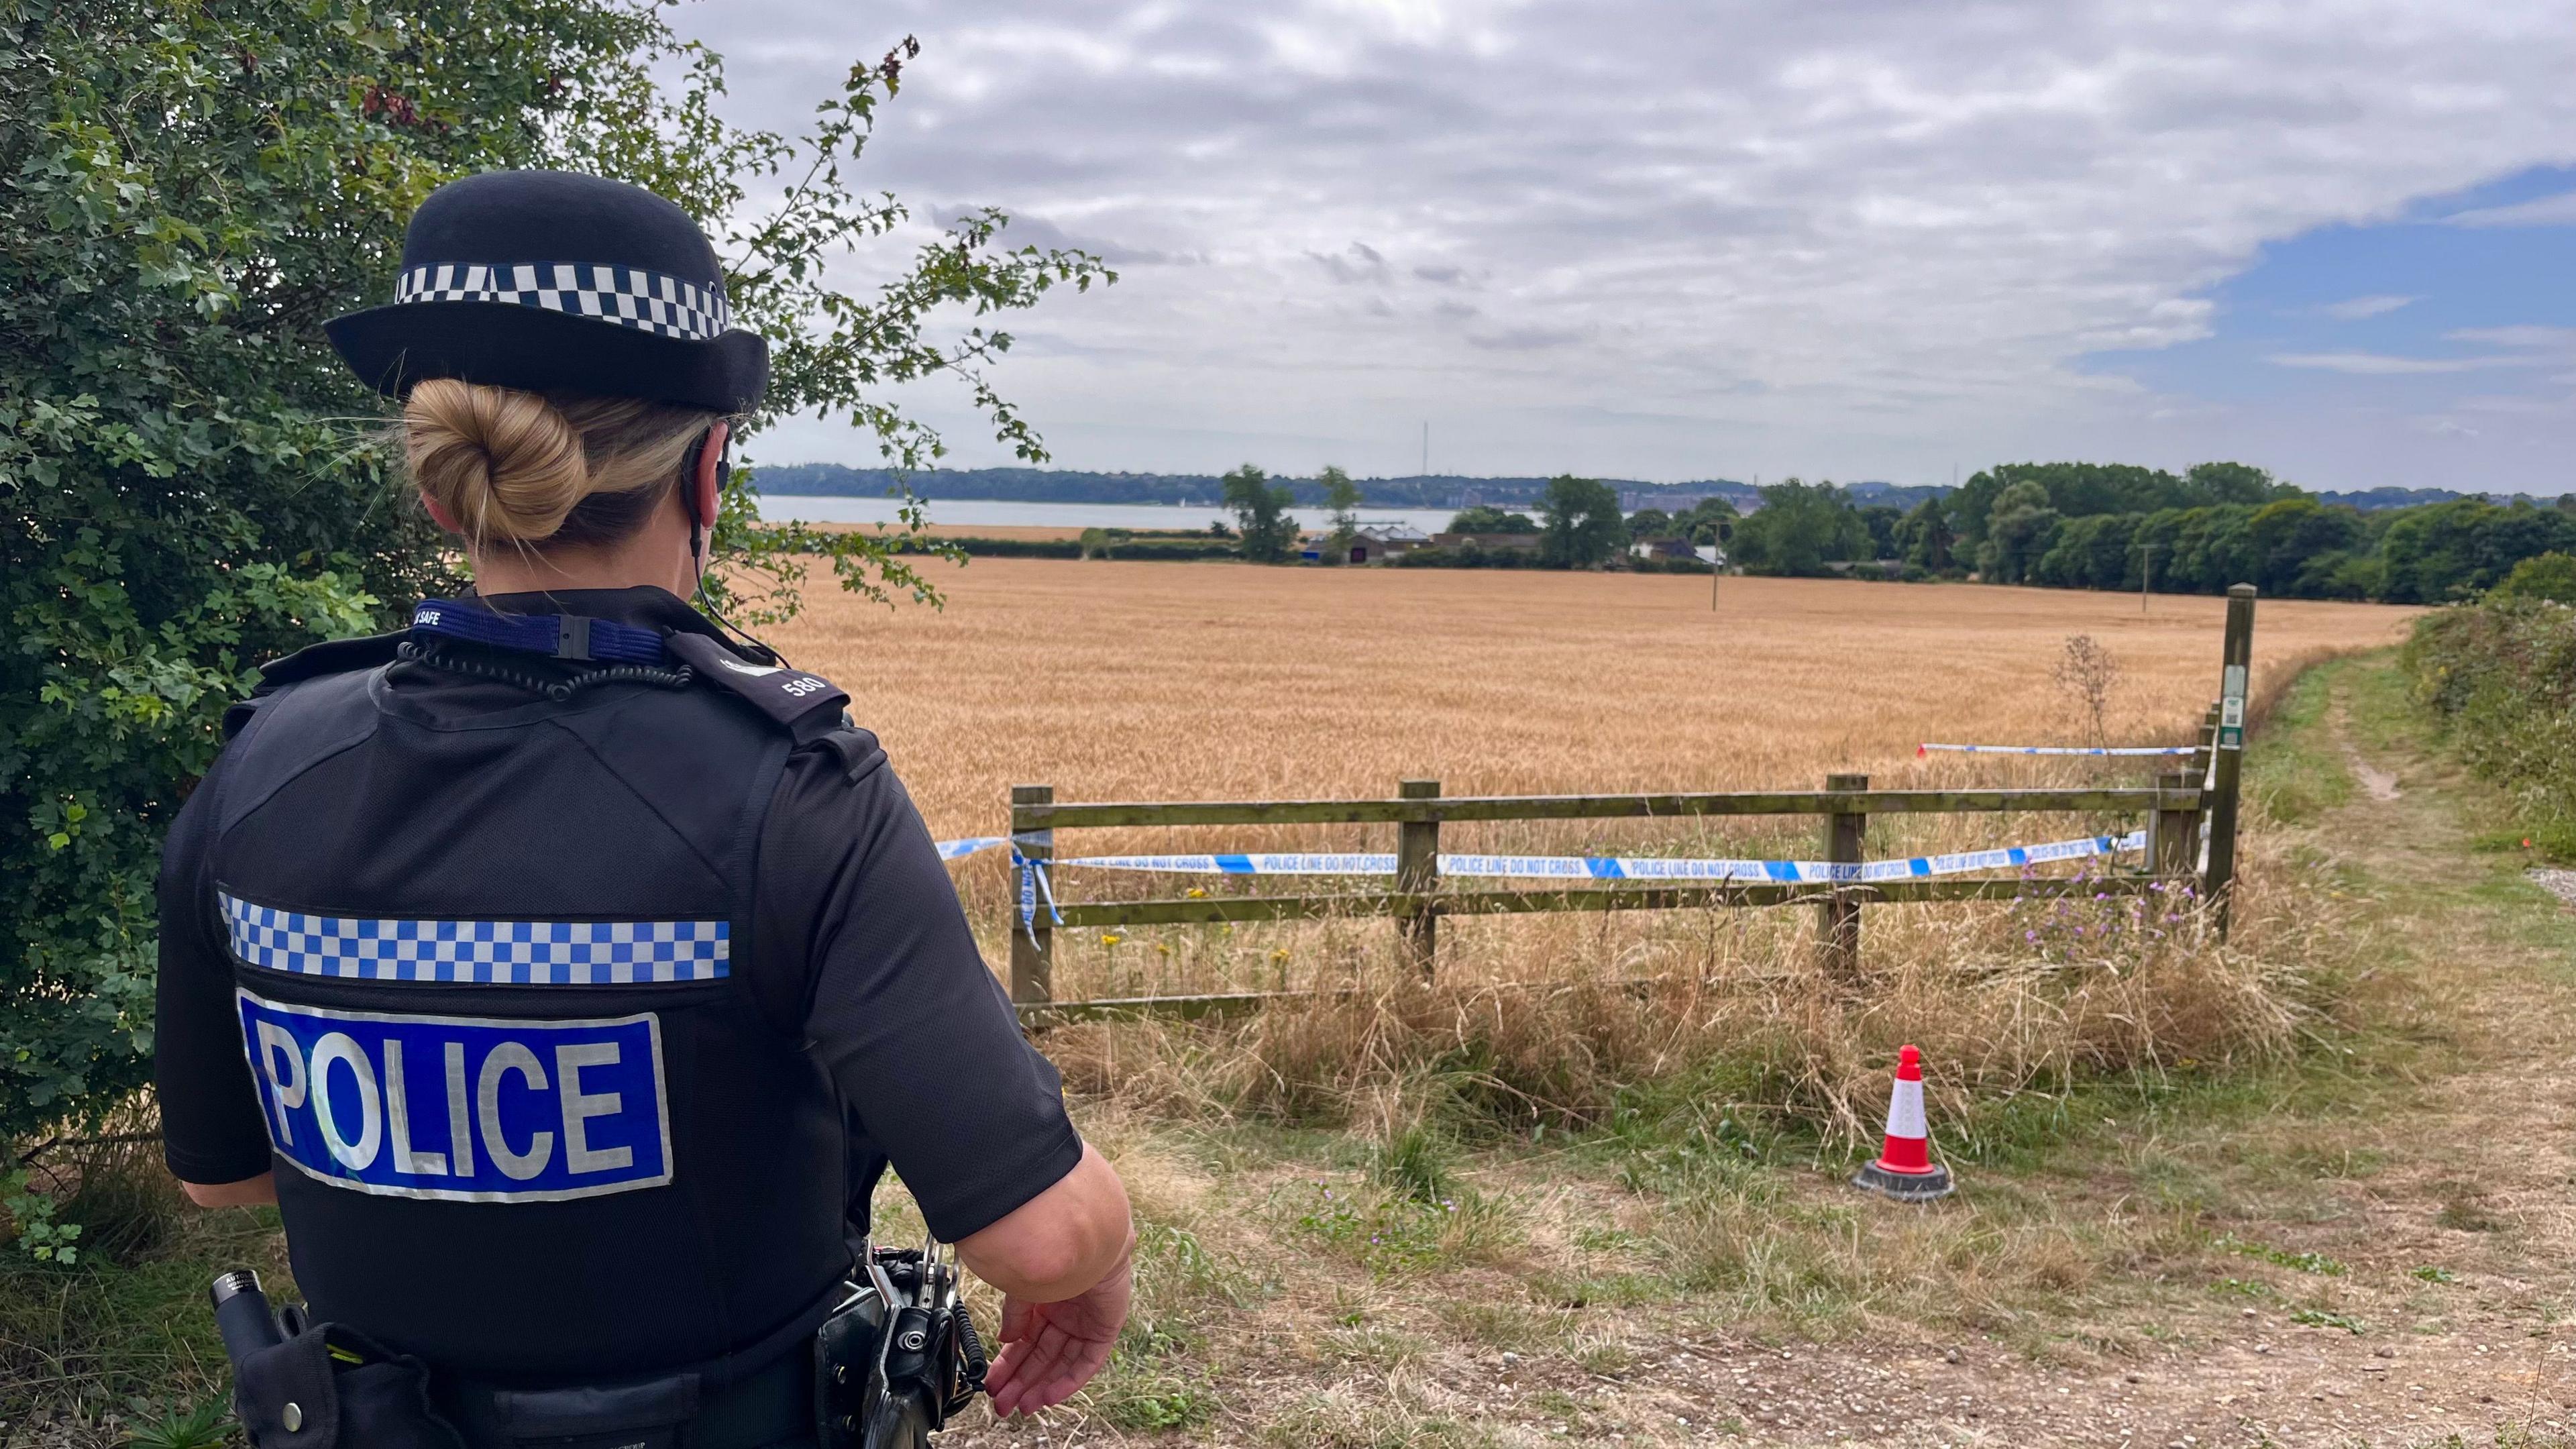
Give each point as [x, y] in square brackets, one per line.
[2085, 525]
[1062, 485]
[2066, 525]
[1434, 490]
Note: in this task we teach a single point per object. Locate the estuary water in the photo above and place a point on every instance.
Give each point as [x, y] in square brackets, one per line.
[995, 512]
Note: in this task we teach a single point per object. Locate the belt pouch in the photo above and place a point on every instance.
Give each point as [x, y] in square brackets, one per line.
[329, 1387]
[646, 1414]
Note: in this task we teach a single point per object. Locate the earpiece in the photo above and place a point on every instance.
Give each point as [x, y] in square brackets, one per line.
[701, 530]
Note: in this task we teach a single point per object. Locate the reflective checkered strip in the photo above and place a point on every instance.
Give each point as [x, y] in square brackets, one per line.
[497, 953]
[628, 296]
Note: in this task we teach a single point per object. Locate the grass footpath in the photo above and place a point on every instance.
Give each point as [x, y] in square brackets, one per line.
[2365, 1242]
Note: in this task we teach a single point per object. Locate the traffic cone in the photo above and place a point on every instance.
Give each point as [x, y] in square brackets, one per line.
[1906, 1171]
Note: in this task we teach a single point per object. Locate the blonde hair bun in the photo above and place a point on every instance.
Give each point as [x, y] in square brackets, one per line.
[504, 464]
[525, 468]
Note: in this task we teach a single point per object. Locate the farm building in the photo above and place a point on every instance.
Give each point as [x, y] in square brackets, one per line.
[1660, 550]
[1489, 542]
[1371, 543]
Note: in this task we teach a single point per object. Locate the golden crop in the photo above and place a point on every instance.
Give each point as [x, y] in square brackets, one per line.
[1112, 680]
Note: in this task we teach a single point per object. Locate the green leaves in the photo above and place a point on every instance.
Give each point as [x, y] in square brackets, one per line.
[191, 482]
[39, 1236]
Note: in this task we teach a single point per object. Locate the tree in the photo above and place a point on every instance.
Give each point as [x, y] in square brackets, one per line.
[1881, 520]
[1799, 528]
[1580, 524]
[1261, 515]
[1926, 536]
[2231, 483]
[192, 482]
[2550, 576]
[1341, 495]
[2018, 532]
[1484, 518]
[2285, 534]
[1648, 523]
[1711, 520]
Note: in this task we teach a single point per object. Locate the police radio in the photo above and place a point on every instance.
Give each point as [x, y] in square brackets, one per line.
[899, 1355]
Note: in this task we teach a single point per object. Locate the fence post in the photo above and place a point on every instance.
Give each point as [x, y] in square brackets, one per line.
[1417, 873]
[1033, 929]
[1838, 919]
[2173, 836]
[2227, 765]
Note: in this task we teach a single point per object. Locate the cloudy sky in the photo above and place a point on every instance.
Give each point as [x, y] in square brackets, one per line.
[1673, 239]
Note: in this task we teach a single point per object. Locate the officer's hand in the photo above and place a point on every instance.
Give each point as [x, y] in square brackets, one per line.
[1050, 1350]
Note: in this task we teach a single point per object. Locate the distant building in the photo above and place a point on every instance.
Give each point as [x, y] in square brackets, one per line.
[1489, 542]
[1868, 567]
[1371, 543]
[1660, 548]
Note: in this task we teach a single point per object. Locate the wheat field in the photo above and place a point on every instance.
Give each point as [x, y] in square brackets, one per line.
[1112, 680]
[1128, 681]
[1119, 680]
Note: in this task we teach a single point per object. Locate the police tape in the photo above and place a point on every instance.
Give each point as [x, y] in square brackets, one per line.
[973, 844]
[2057, 749]
[1034, 875]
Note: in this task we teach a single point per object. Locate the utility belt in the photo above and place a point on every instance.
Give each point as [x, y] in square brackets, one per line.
[895, 1357]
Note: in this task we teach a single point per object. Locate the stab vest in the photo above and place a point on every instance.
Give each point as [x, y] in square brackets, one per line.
[529, 1121]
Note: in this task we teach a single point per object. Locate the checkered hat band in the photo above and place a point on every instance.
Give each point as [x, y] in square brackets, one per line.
[483, 953]
[627, 296]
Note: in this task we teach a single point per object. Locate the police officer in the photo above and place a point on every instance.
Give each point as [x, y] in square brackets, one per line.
[567, 972]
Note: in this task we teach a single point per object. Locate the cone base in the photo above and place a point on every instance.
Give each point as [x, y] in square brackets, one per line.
[1904, 1186]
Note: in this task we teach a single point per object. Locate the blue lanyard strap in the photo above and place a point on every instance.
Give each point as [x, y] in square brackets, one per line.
[562, 636]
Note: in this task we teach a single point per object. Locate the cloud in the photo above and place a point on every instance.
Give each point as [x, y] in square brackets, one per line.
[1360, 263]
[2560, 338]
[1859, 240]
[2359, 308]
[2559, 210]
[1526, 339]
[2376, 364]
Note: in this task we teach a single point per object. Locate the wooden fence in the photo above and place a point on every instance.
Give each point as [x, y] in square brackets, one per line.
[2191, 840]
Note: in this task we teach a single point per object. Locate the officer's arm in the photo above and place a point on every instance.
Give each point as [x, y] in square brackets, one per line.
[1062, 1242]
[248, 1192]
[211, 1132]
[899, 1007]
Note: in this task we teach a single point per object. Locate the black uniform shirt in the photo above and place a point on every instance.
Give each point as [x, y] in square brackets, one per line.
[861, 951]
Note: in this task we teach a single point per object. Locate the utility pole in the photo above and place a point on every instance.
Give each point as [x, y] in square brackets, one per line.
[2146, 571]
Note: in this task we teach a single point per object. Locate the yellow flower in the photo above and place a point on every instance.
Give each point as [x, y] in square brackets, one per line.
[1280, 955]
[1198, 893]
[1110, 938]
[1163, 947]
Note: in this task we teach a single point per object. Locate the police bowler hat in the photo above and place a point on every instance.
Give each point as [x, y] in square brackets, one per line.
[549, 281]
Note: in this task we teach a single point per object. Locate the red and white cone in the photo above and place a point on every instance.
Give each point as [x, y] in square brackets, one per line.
[1905, 1171]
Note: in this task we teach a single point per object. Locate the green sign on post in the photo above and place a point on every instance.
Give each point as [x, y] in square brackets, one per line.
[2231, 709]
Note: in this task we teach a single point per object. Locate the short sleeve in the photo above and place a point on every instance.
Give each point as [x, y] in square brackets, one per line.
[211, 1130]
[898, 1005]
